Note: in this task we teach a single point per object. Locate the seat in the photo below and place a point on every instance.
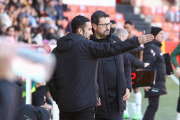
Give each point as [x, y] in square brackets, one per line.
[69, 15]
[110, 10]
[158, 18]
[176, 27]
[120, 24]
[159, 11]
[167, 27]
[83, 14]
[100, 8]
[82, 8]
[91, 9]
[173, 37]
[146, 10]
[73, 8]
[119, 17]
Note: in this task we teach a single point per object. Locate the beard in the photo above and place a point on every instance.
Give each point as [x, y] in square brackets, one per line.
[106, 33]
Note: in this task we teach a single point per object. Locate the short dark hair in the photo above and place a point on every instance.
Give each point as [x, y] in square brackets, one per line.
[96, 15]
[113, 21]
[129, 22]
[10, 28]
[79, 22]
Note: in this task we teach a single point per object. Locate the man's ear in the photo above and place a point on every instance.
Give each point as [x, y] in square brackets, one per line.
[94, 26]
[80, 31]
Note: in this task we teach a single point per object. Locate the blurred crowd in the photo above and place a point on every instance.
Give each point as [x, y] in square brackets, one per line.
[33, 21]
[172, 15]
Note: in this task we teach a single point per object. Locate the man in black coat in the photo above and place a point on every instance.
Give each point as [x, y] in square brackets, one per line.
[112, 72]
[73, 85]
[153, 55]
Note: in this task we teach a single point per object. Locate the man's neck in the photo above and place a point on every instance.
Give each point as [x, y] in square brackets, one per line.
[98, 36]
[130, 35]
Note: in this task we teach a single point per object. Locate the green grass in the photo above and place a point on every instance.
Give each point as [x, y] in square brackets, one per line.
[167, 104]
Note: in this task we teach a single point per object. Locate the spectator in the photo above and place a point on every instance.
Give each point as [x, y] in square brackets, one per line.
[11, 33]
[169, 16]
[25, 38]
[3, 29]
[4, 18]
[68, 29]
[6, 2]
[23, 22]
[17, 33]
[61, 32]
[32, 19]
[59, 23]
[14, 2]
[38, 38]
[113, 26]
[11, 8]
[59, 9]
[13, 17]
[50, 10]
[178, 16]
[51, 34]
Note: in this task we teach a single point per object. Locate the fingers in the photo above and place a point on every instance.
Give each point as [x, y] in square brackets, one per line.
[126, 97]
[146, 88]
[143, 33]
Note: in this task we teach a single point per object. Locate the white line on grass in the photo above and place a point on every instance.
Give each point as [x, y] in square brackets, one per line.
[175, 79]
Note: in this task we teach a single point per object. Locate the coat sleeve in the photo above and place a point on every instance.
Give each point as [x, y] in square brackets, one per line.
[174, 54]
[52, 86]
[136, 50]
[102, 50]
[149, 56]
[127, 70]
[135, 63]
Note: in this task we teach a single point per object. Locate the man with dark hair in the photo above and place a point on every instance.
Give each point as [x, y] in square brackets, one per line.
[73, 85]
[113, 26]
[114, 73]
[138, 53]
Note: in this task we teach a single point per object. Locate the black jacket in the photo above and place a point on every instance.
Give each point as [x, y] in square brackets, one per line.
[123, 67]
[7, 100]
[74, 83]
[30, 112]
[18, 93]
[135, 63]
[153, 55]
[39, 96]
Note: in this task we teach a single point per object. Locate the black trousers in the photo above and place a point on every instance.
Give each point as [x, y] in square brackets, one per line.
[85, 114]
[152, 108]
[114, 116]
[178, 105]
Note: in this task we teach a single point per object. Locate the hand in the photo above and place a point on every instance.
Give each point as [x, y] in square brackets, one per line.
[99, 103]
[147, 88]
[177, 71]
[145, 38]
[127, 95]
[146, 64]
[55, 13]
